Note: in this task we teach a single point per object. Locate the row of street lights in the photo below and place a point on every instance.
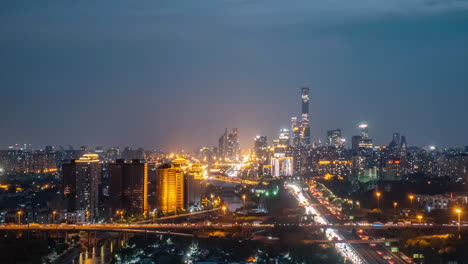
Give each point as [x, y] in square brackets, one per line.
[395, 204]
[420, 217]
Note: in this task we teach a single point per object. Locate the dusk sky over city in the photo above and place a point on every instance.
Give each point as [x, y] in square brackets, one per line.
[174, 74]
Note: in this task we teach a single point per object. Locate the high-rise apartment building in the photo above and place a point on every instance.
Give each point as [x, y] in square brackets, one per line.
[169, 189]
[82, 186]
[128, 187]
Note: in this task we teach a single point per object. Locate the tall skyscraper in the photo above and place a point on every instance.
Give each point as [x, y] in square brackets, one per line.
[228, 145]
[283, 138]
[396, 138]
[128, 187]
[334, 138]
[82, 186]
[305, 122]
[364, 131]
[295, 132]
[170, 189]
[261, 149]
[362, 140]
[282, 160]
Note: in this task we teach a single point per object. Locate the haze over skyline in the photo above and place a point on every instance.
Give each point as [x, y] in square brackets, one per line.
[174, 74]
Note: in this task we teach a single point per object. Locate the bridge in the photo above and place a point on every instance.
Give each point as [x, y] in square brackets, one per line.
[116, 227]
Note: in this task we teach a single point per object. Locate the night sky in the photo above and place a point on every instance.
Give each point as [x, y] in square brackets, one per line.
[174, 74]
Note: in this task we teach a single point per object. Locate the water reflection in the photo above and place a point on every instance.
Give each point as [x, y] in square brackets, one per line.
[97, 255]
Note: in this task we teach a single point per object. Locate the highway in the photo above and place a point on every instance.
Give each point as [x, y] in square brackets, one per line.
[345, 249]
[377, 253]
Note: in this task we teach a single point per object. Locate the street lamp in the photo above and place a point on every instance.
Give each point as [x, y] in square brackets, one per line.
[378, 199]
[395, 204]
[420, 217]
[458, 211]
[243, 199]
[224, 208]
[120, 212]
[53, 216]
[411, 197]
[19, 217]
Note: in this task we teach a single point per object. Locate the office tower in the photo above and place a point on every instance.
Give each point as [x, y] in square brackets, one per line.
[284, 137]
[282, 161]
[261, 149]
[362, 141]
[364, 133]
[396, 138]
[128, 187]
[222, 145]
[305, 123]
[228, 145]
[403, 146]
[403, 155]
[169, 189]
[334, 138]
[233, 145]
[295, 132]
[82, 186]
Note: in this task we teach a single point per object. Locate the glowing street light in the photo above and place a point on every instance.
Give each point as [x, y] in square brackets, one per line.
[420, 217]
[458, 211]
[378, 199]
[224, 208]
[411, 197]
[19, 217]
[54, 213]
[121, 213]
[243, 199]
[395, 204]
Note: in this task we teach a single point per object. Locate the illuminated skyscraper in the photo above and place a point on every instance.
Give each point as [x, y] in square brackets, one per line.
[284, 137]
[295, 132]
[170, 189]
[128, 187]
[82, 186]
[364, 131]
[228, 145]
[281, 165]
[281, 160]
[305, 123]
[362, 140]
[334, 138]
[261, 149]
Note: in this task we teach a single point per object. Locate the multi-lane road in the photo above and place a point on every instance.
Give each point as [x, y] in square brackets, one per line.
[345, 249]
[371, 252]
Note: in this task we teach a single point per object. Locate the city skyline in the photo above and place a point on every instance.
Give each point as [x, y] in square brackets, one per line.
[362, 62]
[234, 131]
